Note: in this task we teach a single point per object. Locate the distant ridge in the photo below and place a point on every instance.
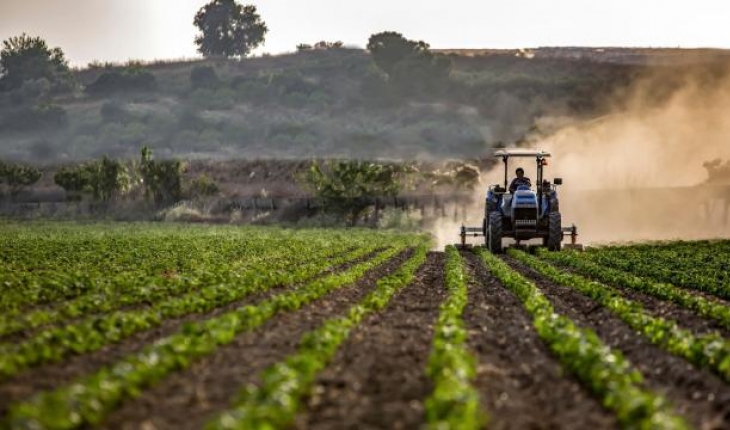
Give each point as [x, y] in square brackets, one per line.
[616, 55]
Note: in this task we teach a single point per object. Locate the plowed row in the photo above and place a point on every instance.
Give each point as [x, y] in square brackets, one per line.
[156, 327]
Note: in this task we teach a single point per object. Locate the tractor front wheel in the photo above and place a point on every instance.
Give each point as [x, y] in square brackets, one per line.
[555, 232]
[494, 233]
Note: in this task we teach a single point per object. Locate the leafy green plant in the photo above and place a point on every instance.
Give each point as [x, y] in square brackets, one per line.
[349, 187]
[88, 400]
[162, 179]
[699, 265]
[602, 370]
[454, 403]
[700, 305]
[102, 179]
[709, 351]
[54, 344]
[216, 266]
[17, 176]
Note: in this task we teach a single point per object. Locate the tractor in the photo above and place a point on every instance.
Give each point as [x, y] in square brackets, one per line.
[522, 214]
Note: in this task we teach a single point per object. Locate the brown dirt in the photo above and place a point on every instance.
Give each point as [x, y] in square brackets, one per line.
[378, 378]
[520, 384]
[187, 399]
[54, 375]
[698, 395]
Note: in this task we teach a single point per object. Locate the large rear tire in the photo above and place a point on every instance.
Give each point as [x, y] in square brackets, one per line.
[555, 232]
[494, 233]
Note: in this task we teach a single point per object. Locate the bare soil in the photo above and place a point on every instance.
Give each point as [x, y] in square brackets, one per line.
[377, 380]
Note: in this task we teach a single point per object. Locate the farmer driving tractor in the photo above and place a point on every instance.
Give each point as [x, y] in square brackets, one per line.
[521, 179]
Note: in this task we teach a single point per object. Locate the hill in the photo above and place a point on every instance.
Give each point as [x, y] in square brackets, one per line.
[317, 103]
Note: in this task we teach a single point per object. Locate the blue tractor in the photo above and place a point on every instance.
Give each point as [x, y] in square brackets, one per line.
[522, 214]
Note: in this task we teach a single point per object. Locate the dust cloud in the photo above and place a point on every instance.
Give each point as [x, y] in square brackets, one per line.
[636, 173]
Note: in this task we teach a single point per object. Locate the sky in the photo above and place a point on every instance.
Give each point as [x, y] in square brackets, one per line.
[120, 30]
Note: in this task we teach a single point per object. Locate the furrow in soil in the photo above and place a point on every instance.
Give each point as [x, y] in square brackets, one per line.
[378, 377]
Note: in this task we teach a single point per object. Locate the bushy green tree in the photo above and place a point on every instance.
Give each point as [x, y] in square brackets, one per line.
[77, 181]
[101, 180]
[409, 64]
[25, 58]
[162, 179]
[349, 187]
[17, 176]
[228, 29]
[390, 48]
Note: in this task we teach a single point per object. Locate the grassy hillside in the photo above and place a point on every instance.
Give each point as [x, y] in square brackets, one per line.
[319, 103]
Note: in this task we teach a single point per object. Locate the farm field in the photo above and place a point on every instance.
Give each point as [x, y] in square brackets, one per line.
[163, 326]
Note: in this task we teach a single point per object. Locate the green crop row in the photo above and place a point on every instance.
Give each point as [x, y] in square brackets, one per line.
[698, 304]
[141, 291]
[603, 371]
[64, 265]
[454, 402]
[90, 399]
[275, 402]
[704, 266]
[707, 351]
[52, 264]
[54, 344]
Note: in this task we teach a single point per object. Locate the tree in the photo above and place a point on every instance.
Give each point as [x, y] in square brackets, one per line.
[409, 64]
[100, 179]
[26, 58]
[17, 177]
[350, 187]
[390, 48]
[228, 29]
[162, 179]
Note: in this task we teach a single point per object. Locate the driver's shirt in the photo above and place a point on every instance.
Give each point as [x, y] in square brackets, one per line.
[516, 182]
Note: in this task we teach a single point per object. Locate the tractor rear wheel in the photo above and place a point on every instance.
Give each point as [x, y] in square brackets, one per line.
[494, 233]
[555, 232]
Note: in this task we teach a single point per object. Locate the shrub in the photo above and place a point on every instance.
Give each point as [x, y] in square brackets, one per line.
[203, 77]
[18, 176]
[41, 117]
[99, 179]
[114, 81]
[162, 179]
[113, 112]
[203, 186]
[221, 99]
[349, 187]
[31, 91]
